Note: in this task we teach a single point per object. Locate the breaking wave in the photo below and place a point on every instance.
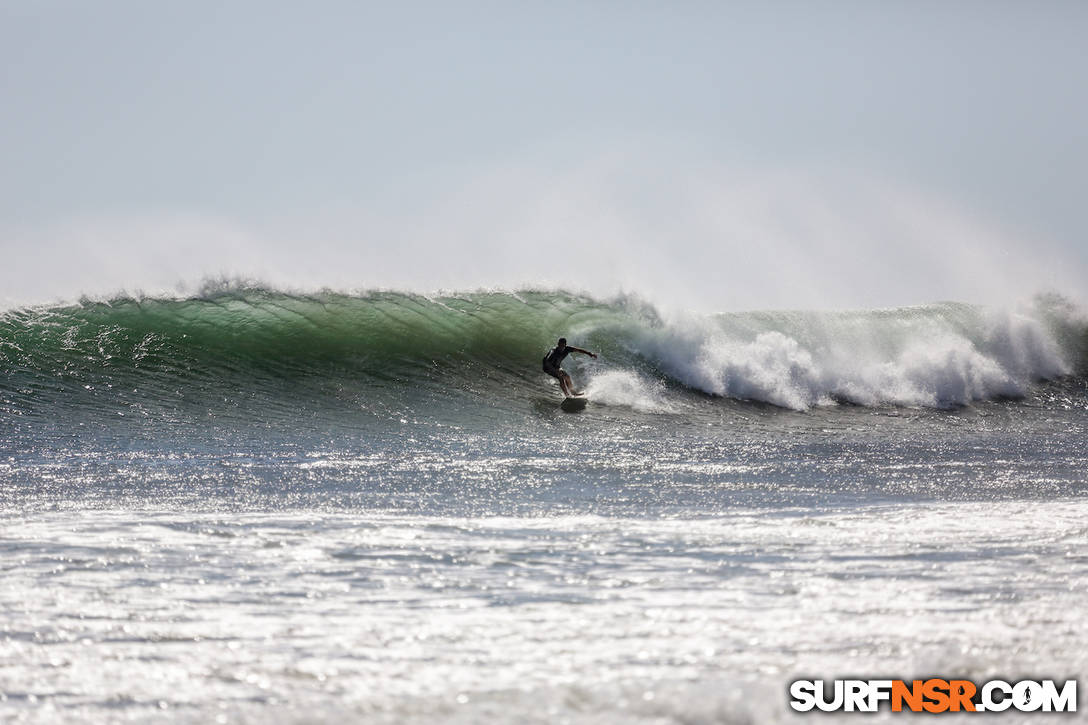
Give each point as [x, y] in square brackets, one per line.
[397, 352]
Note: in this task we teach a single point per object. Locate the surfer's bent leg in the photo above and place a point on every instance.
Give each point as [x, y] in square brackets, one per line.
[559, 375]
[566, 383]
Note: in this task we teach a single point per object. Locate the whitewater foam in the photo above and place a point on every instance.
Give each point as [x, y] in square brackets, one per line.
[628, 388]
[935, 356]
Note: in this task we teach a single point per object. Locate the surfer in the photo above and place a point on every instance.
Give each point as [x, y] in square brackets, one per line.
[554, 359]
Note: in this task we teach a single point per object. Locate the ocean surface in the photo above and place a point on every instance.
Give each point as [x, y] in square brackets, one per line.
[260, 506]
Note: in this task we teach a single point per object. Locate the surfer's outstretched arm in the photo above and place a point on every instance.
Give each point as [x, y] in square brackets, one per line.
[584, 352]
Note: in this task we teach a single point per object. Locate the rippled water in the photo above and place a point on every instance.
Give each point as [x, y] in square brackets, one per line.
[308, 617]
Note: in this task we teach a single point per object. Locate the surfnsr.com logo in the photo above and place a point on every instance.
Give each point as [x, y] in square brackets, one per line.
[933, 695]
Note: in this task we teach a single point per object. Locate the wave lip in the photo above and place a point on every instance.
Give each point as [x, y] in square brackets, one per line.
[407, 350]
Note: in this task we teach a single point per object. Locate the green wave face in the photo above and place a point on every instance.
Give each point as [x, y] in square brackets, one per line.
[263, 354]
[282, 331]
[265, 351]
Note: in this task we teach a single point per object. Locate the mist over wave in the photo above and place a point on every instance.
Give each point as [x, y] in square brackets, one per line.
[394, 353]
[657, 218]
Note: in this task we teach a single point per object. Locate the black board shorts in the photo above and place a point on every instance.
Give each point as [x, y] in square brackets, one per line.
[552, 370]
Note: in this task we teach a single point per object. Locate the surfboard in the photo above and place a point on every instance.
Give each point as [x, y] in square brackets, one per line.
[574, 403]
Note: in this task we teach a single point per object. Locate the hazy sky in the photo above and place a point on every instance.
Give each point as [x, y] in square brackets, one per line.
[719, 154]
